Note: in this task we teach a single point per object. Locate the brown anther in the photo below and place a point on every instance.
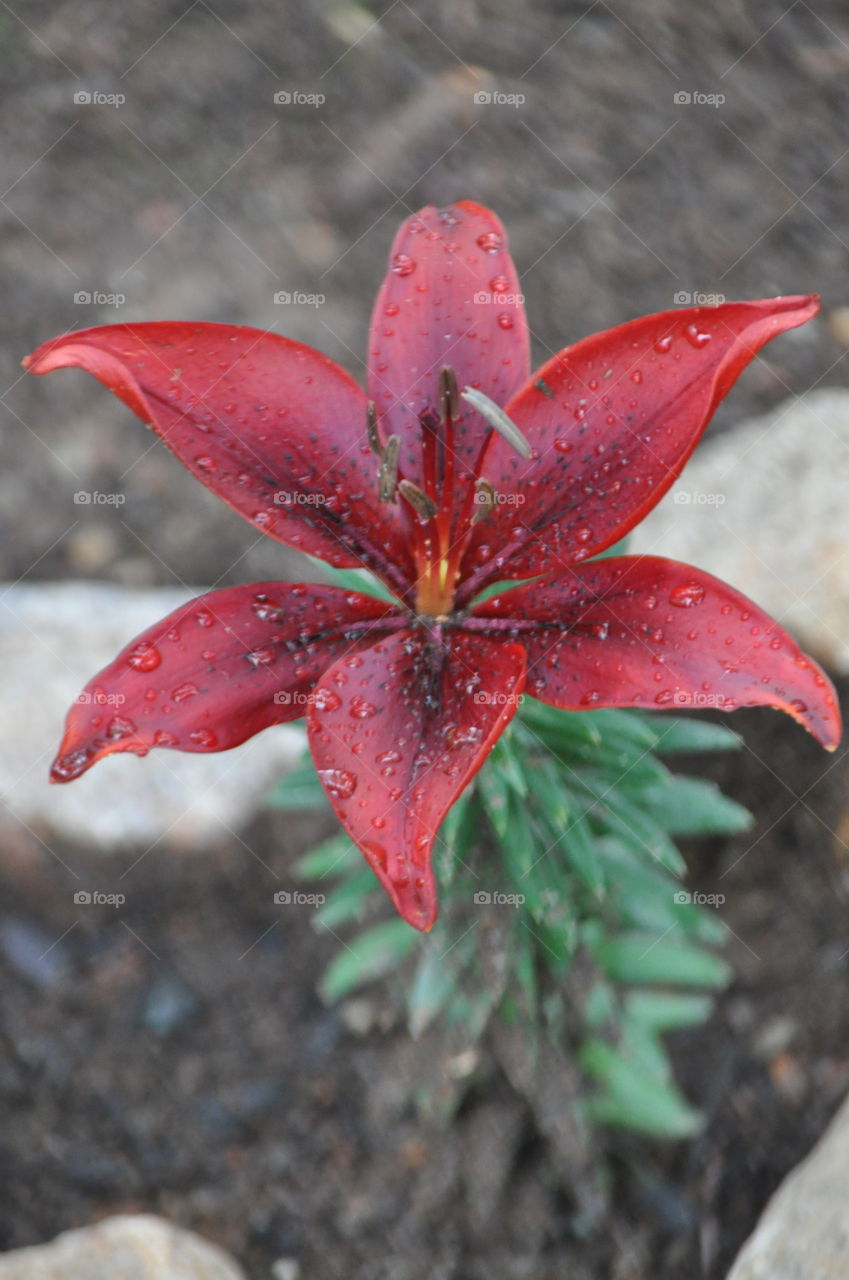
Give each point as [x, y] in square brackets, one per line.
[418, 499]
[371, 428]
[449, 393]
[387, 472]
[484, 500]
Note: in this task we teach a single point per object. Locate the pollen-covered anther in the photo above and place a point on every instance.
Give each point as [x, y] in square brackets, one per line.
[485, 497]
[387, 472]
[418, 499]
[449, 393]
[371, 428]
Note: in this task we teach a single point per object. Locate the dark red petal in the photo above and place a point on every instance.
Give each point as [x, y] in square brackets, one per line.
[274, 428]
[396, 733]
[218, 670]
[450, 297]
[639, 631]
[612, 421]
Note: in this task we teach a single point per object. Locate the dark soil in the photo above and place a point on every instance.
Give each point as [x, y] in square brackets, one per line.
[171, 1054]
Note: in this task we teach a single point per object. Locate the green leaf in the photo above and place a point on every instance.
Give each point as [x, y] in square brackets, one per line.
[334, 857]
[693, 807]
[667, 1010]
[361, 580]
[436, 979]
[610, 811]
[632, 1098]
[299, 789]
[347, 900]
[682, 734]
[643, 958]
[371, 954]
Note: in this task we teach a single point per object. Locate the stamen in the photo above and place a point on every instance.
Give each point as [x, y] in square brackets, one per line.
[498, 420]
[418, 499]
[449, 394]
[484, 499]
[371, 427]
[387, 472]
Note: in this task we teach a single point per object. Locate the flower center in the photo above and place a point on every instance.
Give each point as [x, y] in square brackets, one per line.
[442, 511]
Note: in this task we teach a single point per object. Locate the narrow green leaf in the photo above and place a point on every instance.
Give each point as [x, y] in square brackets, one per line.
[694, 807]
[642, 958]
[334, 857]
[347, 900]
[369, 955]
[667, 1010]
[361, 580]
[631, 1098]
[682, 734]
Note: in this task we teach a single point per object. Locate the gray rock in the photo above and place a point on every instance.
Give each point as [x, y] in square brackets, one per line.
[140, 1247]
[803, 1233]
[765, 508]
[53, 638]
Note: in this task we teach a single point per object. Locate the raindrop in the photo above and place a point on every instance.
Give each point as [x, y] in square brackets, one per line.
[204, 738]
[490, 241]
[695, 337]
[403, 264]
[144, 657]
[339, 782]
[687, 595]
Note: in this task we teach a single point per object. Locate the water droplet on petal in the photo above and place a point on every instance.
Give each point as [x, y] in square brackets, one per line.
[695, 337]
[403, 264]
[144, 657]
[490, 241]
[339, 782]
[687, 595]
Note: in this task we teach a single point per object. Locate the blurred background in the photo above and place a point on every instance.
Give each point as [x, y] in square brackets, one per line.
[193, 160]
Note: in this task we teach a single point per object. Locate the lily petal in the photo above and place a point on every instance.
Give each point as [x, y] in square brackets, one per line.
[396, 732]
[274, 428]
[612, 421]
[641, 631]
[450, 297]
[218, 670]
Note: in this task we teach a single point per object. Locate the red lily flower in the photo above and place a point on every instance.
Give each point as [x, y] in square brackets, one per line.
[453, 471]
